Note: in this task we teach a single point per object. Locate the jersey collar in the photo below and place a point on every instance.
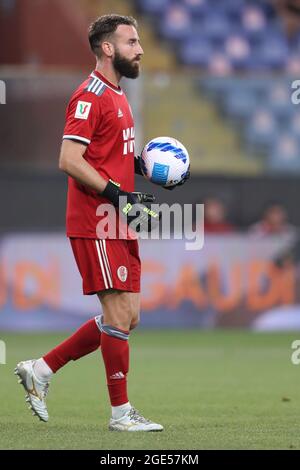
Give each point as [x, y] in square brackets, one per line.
[116, 89]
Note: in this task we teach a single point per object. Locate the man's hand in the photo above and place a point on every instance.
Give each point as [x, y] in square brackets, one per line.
[137, 165]
[131, 206]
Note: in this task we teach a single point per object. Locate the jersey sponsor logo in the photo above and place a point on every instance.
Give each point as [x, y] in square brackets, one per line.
[120, 114]
[128, 137]
[83, 110]
[122, 273]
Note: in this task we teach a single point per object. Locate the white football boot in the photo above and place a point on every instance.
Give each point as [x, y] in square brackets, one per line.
[132, 420]
[36, 391]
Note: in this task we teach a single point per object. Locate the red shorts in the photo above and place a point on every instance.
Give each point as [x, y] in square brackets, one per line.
[107, 264]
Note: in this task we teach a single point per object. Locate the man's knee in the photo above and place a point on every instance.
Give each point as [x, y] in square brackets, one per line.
[134, 323]
[117, 309]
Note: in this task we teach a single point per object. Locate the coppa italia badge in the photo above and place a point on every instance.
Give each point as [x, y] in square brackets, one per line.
[122, 273]
[83, 110]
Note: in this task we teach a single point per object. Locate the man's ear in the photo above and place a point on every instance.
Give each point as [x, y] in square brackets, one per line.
[107, 48]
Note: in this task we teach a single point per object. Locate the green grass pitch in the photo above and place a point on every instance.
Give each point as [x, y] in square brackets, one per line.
[211, 390]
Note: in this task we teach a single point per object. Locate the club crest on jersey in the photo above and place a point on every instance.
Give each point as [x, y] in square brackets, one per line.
[122, 273]
[83, 110]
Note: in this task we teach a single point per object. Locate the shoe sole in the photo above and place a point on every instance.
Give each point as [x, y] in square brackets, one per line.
[27, 396]
[110, 428]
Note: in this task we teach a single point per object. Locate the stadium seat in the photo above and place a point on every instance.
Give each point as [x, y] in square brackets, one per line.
[285, 155]
[196, 52]
[153, 7]
[260, 132]
[176, 23]
[239, 105]
[216, 27]
[196, 8]
[294, 124]
[272, 53]
[238, 51]
[279, 100]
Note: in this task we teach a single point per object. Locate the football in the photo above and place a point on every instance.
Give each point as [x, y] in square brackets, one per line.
[164, 161]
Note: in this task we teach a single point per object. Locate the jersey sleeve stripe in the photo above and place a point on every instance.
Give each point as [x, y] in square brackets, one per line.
[77, 137]
[95, 86]
[91, 84]
[98, 88]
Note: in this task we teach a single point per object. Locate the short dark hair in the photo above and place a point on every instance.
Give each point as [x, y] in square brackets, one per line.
[103, 28]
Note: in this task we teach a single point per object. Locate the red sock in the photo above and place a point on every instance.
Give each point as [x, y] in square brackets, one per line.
[115, 352]
[82, 342]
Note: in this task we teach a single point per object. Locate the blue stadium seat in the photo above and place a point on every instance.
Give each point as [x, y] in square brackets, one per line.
[237, 49]
[176, 23]
[279, 100]
[294, 123]
[253, 23]
[153, 7]
[285, 155]
[216, 27]
[197, 8]
[261, 131]
[232, 8]
[216, 87]
[196, 51]
[240, 105]
[272, 53]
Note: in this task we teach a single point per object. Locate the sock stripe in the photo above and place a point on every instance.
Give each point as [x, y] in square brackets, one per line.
[112, 331]
[99, 321]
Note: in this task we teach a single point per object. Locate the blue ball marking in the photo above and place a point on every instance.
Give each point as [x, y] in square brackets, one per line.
[160, 173]
[168, 147]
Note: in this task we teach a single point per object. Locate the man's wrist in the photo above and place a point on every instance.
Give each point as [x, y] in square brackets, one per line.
[137, 166]
[112, 193]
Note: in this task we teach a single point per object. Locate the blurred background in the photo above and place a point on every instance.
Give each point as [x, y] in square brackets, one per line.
[217, 75]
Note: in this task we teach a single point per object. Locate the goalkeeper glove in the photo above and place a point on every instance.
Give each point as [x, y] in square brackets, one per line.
[184, 179]
[132, 207]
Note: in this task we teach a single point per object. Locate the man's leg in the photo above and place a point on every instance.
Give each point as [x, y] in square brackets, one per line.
[85, 340]
[120, 310]
[35, 375]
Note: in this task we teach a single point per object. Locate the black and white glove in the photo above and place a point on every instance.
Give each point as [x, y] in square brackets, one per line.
[137, 165]
[132, 207]
[184, 179]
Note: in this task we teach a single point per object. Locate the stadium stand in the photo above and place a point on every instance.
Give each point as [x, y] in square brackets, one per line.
[256, 58]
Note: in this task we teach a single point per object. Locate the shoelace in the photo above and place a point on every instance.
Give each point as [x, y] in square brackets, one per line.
[136, 416]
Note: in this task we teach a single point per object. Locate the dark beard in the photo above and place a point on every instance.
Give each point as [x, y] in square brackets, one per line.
[125, 67]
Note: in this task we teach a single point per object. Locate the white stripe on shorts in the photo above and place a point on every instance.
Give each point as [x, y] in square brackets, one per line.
[101, 265]
[102, 244]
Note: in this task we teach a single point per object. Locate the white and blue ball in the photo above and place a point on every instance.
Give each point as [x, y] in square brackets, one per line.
[164, 161]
